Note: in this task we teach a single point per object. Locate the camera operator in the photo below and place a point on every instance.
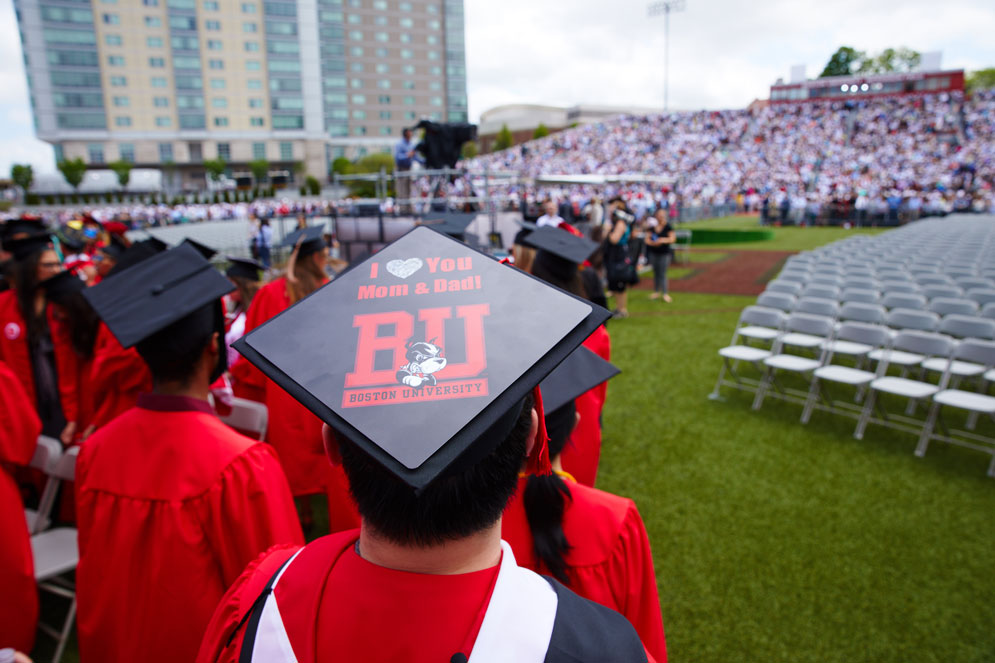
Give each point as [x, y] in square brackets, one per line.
[620, 269]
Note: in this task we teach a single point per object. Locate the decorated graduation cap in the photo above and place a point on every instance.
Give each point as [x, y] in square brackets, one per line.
[559, 251]
[453, 224]
[423, 354]
[23, 248]
[582, 371]
[310, 239]
[202, 249]
[243, 268]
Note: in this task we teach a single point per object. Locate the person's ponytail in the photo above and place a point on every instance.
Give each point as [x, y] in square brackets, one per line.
[545, 503]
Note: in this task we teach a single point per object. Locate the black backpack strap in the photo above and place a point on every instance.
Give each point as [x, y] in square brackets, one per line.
[251, 618]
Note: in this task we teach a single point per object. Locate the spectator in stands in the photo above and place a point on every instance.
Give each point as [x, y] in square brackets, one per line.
[549, 216]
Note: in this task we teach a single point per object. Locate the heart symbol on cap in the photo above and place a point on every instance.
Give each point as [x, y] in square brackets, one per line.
[402, 269]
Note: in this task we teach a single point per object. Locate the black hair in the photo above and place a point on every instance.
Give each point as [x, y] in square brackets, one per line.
[456, 505]
[26, 283]
[172, 352]
[542, 269]
[82, 320]
[545, 500]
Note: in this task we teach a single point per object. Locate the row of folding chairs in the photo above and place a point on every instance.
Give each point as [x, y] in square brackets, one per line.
[831, 288]
[825, 354]
[810, 302]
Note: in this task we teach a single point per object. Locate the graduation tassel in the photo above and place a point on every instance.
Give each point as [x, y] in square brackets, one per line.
[538, 461]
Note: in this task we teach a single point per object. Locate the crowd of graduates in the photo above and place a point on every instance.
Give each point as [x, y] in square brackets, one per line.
[192, 535]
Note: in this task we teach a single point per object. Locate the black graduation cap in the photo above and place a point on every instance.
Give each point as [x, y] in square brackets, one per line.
[453, 224]
[311, 240]
[24, 225]
[116, 248]
[159, 291]
[136, 253]
[416, 352]
[24, 247]
[559, 250]
[62, 284]
[203, 249]
[244, 268]
[582, 371]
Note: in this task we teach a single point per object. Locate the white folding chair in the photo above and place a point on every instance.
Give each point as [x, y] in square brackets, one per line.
[47, 455]
[948, 305]
[862, 295]
[787, 287]
[934, 291]
[801, 331]
[899, 286]
[682, 244]
[55, 555]
[924, 344]
[753, 321]
[816, 306]
[983, 296]
[777, 300]
[988, 311]
[248, 416]
[820, 292]
[860, 312]
[909, 300]
[856, 339]
[968, 283]
[973, 351]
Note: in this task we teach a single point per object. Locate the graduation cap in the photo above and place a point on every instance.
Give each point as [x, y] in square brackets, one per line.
[116, 249]
[160, 290]
[422, 354]
[24, 247]
[25, 225]
[311, 240]
[203, 249]
[582, 371]
[561, 252]
[453, 224]
[61, 285]
[138, 252]
[243, 268]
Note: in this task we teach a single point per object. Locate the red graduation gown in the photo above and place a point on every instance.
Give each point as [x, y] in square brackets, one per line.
[583, 450]
[19, 429]
[171, 506]
[610, 561]
[293, 431]
[117, 377]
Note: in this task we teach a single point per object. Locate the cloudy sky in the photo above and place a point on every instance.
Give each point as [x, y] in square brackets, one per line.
[724, 53]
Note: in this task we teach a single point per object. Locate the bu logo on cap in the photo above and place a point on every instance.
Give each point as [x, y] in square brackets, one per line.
[12, 331]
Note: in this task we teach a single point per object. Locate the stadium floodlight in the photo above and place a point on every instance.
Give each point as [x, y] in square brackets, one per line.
[844, 87]
[666, 7]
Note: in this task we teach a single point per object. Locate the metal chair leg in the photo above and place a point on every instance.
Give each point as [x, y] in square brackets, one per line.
[865, 415]
[927, 430]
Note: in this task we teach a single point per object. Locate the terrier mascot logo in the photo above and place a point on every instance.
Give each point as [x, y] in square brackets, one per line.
[424, 360]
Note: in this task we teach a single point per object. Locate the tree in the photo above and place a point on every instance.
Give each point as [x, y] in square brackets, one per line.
[469, 150]
[980, 80]
[312, 185]
[504, 139]
[843, 62]
[122, 169]
[215, 168]
[23, 176]
[259, 168]
[541, 131]
[342, 166]
[72, 170]
[371, 163]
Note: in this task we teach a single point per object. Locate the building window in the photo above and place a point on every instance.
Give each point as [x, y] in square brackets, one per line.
[211, 5]
[435, 71]
[257, 121]
[95, 153]
[254, 84]
[356, 66]
[433, 24]
[384, 115]
[359, 131]
[160, 102]
[153, 22]
[120, 101]
[380, 4]
[112, 40]
[383, 68]
[433, 55]
[356, 83]
[251, 46]
[150, 3]
[255, 102]
[355, 19]
[224, 151]
[216, 64]
[383, 99]
[356, 51]
[122, 121]
[404, 6]
[385, 131]
[408, 69]
[436, 101]
[248, 8]
[359, 99]
[405, 38]
[154, 42]
[119, 81]
[336, 98]
[409, 85]
[409, 115]
[165, 152]
[249, 26]
[381, 36]
[407, 53]
[335, 81]
[380, 20]
[259, 150]
[159, 81]
[212, 25]
[359, 115]
[157, 62]
[406, 23]
[432, 39]
[383, 84]
[286, 151]
[252, 65]
[127, 152]
[432, 9]
[288, 122]
[214, 45]
[221, 121]
[382, 52]
[115, 60]
[435, 85]
[112, 19]
[219, 102]
[356, 35]
[409, 101]
[217, 84]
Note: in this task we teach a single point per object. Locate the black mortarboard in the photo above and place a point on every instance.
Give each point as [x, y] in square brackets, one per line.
[62, 284]
[582, 371]
[116, 248]
[421, 351]
[312, 240]
[159, 291]
[453, 224]
[559, 250]
[203, 249]
[25, 225]
[244, 268]
[25, 247]
[136, 253]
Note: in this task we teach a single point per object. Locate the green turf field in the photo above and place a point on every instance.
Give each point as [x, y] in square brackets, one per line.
[785, 239]
[775, 541]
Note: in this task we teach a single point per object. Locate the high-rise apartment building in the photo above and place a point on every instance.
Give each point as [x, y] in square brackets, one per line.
[175, 82]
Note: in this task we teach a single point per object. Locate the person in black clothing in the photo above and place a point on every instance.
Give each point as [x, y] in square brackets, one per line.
[658, 244]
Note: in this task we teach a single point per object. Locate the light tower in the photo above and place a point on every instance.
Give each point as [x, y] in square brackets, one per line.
[666, 7]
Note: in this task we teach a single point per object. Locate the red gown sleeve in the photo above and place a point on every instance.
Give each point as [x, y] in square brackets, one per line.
[21, 426]
[249, 510]
[235, 605]
[632, 576]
